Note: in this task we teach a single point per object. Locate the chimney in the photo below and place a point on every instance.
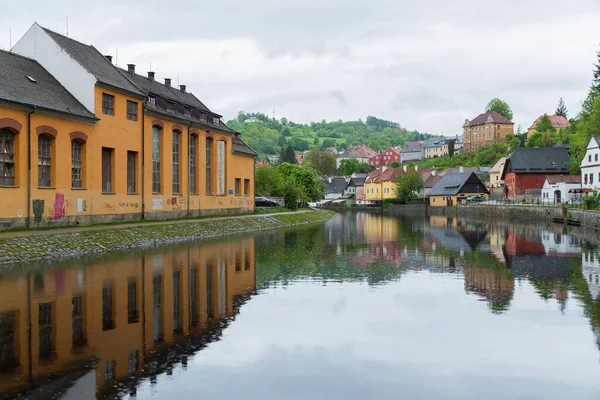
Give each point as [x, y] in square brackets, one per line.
[109, 58]
[151, 76]
[433, 173]
[182, 88]
[383, 168]
[404, 168]
[329, 179]
[131, 69]
[168, 82]
[461, 169]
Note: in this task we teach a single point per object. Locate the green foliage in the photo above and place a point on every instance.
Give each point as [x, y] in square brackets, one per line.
[583, 129]
[310, 187]
[544, 125]
[451, 144]
[545, 134]
[395, 164]
[267, 181]
[328, 143]
[290, 195]
[591, 201]
[501, 107]
[512, 142]
[323, 162]
[408, 186]
[375, 145]
[561, 109]
[287, 155]
[348, 166]
[484, 157]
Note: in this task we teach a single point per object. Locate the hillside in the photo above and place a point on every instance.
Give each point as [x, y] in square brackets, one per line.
[267, 136]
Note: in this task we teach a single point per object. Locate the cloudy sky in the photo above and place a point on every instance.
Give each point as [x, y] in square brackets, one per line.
[426, 64]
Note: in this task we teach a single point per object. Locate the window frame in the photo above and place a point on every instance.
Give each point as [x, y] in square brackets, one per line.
[108, 174]
[156, 159]
[45, 161]
[209, 161]
[238, 186]
[132, 172]
[7, 153]
[77, 183]
[132, 116]
[246, 187]
[193, 160]
[176, 162]
[108, 104]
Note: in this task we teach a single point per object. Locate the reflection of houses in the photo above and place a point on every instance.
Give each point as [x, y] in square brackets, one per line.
[124, 315]
[460, 237]
[382, 235]
[590, 262]
[495, 285]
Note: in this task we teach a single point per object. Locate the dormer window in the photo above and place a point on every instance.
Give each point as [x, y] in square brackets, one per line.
[216, 120]
[203, 117]
[187, 112]
[151, 101]
[170, 106]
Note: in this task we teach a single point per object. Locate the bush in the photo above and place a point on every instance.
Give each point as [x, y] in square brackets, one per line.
[290, 195]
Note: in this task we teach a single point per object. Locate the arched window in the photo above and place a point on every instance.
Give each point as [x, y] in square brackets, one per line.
[76, 164]
[44, 161]
[7, 158]
[156, 159]
[209, 145]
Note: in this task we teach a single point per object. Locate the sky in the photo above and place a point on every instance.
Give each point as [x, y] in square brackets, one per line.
[426, 64]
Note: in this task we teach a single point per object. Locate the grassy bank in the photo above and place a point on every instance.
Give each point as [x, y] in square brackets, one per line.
[66, 244]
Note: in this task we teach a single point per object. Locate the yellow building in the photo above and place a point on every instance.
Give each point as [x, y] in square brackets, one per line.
[107, 144]
[496, 172]
[115, 320]
[436, 147]
[486, 129]
[381, 185]
[558, 122]
[456, 188]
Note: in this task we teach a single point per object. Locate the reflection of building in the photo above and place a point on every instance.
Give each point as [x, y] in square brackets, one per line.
[591, 272]
[121, 314]
[382, 235]
[495, 285]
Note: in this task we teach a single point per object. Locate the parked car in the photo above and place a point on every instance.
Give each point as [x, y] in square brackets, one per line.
[476, 198]
[264, 202]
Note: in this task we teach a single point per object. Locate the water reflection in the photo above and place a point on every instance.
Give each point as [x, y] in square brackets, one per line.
[95, 331]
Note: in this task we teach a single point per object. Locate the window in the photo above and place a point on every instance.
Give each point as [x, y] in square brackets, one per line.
[187, 112]
[132, 309]
[590, 158]
[171, 106]
[591, 179]
[108, 321]
[238, 186]
[133, 362]
[76, 164]
[203, 117]
[193, 149]
[596, 157]
[585, 178]
[155, 159]
[209, 144]
[45, 329]
[131, 171]
[44, 161]
[216, 120]
[151, 101]
[109, 371]
[107, 179]
[247, 187]
[108, 104]
[78, 338]
[8, 350]
[131, 110]
[7, 158]
[176, 137]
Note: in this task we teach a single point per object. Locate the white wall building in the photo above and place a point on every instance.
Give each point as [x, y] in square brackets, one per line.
[556, 189]
[590, 166]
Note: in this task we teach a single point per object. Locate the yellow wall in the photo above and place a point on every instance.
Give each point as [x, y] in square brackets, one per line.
[442, 201]
[373, 191]
[476, 137]
[60, 286]
[388, 189]
[438, 151]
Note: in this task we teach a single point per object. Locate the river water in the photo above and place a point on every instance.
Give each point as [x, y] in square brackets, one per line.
[363, 306]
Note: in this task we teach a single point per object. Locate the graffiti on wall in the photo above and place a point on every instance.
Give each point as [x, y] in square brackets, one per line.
[38, 210]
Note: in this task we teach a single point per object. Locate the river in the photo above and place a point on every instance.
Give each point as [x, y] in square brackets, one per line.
[363, 306]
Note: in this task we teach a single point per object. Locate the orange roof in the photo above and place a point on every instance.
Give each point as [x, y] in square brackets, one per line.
[390, 174]
[554, 179]
[558, 121]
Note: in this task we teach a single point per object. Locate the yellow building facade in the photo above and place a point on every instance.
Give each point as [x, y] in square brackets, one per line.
[99, 145]
[116, 319]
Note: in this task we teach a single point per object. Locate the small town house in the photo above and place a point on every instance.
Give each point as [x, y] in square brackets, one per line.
[561, 188]
[455, 188]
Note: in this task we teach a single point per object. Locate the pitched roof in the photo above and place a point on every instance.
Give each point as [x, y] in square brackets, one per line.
[449, 171]
[553, 160]
[554, 179]
[411, 147]
[46, 92]
[558, 121]
[431, 181]
[358, 181]
[93, 61]
[435, 142]
[493, 115]
[337, 185]
[390, 175]
[499, 166]
[372, 175]
[239, 146]
[453, 183]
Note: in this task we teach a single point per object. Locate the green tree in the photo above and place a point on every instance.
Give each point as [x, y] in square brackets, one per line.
[290, 195]
[284, 121]
[408, 186]
[267, 181]
[316, 141]
[348, 166]
[544, 135]
[395, 164]
[298, 144]
[305, 179]
[282, 141]
[544, 125]
[513, 142]
[287, 155]
[375, 145]
[451, 144]
[321, 161]
[328, 143]
[501, 107]
[286, 131]
[588, 104]
[561, 109]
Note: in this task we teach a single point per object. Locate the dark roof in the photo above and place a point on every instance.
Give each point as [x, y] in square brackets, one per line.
[410, 147]
[239, 146]
[435, 142]
[358, 181]
[543, 160]
[449, 171]
[337, 185]
[93, 61]
[45, 92]
[431, 181]
[454, 183]
[496, 118]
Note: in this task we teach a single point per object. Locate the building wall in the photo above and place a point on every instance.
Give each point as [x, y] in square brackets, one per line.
[388, 190]
[476, 137]
[590, 165]
[373, 191]
[496, 179]
[437, 151]
[518, 184]
[548, 192]
[442, 201]
[411, 156]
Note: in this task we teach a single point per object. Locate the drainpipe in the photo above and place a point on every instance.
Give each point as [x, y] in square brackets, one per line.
[143, 158]
[29, 167]
[189, 170]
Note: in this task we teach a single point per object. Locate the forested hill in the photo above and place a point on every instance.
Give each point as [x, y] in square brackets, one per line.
[267, 136]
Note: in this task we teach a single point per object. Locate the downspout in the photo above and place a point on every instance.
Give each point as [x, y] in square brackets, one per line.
[29, 167]
[189, 170]
[143, 158]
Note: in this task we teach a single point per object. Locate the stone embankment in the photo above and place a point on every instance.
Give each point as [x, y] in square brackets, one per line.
[24, 247]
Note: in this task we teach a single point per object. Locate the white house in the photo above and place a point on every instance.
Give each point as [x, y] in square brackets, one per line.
[590, 166]
[559, 188]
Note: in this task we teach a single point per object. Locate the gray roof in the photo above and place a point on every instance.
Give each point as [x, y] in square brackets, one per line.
[239, 146]
[93, 61]
[337, 185]
[543, 160]
[435, 142]
[358, 181]
[453, 184]
[410, 147]
[46, 92]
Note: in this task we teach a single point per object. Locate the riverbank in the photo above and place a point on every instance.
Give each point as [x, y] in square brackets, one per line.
[25, 247]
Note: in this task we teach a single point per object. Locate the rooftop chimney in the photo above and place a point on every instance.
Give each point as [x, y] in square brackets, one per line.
[182, 88]
[151, 76]
[131, 68]
[168, 82]
[109, 58]
[461, 169]
[433, 172]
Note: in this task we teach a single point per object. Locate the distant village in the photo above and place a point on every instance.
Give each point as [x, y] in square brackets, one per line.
[539, 174]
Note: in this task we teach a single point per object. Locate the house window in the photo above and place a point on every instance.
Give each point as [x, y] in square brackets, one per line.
[585, 179]
[187, 112]
[209, 145]
[193, 149]
[8, 349]
[203, 117]
[246, 187]
[7, 158]
[589, 158]
[132, 365]
[596, 157]
[78, 337]
[151, 101]
[109, 371]
[215, 120]
[155, 159]
[171, 107]
[131, 171]
[76, 163]
[238, 186]
[44, 161]
[131, 110]
[108, 320]
[45, 329]
[591, 179]
[132, 309]
[176, 138]
[107, 169]
[108, 104]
